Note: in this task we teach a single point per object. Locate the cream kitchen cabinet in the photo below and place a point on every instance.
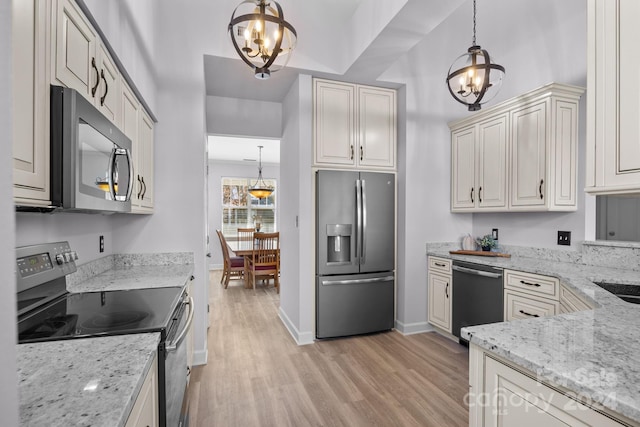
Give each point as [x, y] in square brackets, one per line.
[613, 128]
[138, 126]
[440, 291]
[30, 97]
[525, 155]
[479, 166]
[145, 409]
[81, 60]
[354, 126]
[528, 295]
[570, 301]
[503, 395]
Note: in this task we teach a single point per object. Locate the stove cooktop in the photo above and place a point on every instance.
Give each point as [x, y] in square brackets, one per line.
[101, 313]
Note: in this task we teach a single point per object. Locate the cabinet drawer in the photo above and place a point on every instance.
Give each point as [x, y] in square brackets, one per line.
[523, 306]
[533, 284]
[441, 265]
[570, 301]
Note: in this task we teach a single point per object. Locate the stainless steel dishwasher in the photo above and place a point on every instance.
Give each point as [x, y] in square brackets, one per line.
[477, 296]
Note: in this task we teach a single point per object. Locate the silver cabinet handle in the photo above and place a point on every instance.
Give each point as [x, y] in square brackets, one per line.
[477, 272]
[174, 345]
[356, 281]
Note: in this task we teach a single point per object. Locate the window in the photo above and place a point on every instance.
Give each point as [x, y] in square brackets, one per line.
[240, 209]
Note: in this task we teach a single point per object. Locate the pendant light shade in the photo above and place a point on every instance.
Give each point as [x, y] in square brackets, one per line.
[260, 189]
[474, 78]
[260, 35]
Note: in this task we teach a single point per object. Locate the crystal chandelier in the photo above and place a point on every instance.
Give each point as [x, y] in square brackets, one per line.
[261, 36]
[473, 79]
[260, 189]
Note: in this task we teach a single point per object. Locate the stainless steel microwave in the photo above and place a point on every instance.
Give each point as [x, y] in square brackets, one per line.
[91, 164]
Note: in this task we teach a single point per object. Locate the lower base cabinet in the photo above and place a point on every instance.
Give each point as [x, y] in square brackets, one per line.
[501, 395]
[145, 409]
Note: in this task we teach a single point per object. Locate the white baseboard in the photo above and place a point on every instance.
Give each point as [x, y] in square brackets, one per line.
[413, 328]
[215, 267]
[200, 357]
[303, 338]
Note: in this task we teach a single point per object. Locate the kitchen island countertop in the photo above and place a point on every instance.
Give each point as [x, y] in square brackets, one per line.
[592, 353]
[89, 381]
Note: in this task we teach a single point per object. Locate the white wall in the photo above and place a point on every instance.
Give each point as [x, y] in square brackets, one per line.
[219, 170]
[297, 216]
[243, 117]
[549, 45]
[8, 315]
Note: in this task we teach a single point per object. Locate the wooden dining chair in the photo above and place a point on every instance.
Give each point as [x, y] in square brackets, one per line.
[245, 234]
[265, 263]
[233, 265]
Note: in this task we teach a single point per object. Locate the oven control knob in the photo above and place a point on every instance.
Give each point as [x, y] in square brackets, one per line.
[68, 257]
[59, 259]
[74, 255]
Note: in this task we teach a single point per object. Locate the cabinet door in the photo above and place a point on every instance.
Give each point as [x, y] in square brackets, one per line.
[146, 173]
[463, 162]
[108, 93]
[613, 128]
[529, 154]
[516, 400]
[492, 163]
[145, 409]
[129, 125]
[75, 63]
[439, 294]
[30, 102]
[334, 123]
[376, 127]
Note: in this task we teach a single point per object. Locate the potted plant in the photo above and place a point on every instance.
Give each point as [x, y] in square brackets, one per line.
[487, 242]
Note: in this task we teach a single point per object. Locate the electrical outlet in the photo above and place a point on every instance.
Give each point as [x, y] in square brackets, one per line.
[494, 234]
[564, 238]
[101, 243]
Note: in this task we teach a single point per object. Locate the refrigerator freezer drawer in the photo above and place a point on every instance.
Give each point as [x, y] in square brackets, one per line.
[354, 305]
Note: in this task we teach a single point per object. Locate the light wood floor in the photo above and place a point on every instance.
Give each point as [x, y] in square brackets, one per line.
[257, 376]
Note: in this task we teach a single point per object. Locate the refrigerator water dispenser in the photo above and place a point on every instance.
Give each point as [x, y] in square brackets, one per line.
[338, 244]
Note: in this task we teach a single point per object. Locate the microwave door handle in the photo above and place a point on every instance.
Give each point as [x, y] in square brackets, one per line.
[174, 345]
[127, 153]
[112, 162]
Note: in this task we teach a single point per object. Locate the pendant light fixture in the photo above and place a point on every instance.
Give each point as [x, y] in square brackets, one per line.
[260, 189]
[261, 36]
[473, 79]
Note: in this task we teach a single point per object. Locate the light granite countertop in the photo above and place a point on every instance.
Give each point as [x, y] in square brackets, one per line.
[135, 277]
[82, 382]
[593, 353]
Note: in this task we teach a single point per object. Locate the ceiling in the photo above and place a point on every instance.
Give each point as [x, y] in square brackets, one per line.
[349, 40]
[232, 149]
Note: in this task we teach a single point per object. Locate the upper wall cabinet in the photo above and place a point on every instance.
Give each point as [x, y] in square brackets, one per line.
[81, 60]
[354, 126]
[520, 155]
[30, 93]
[613, 127]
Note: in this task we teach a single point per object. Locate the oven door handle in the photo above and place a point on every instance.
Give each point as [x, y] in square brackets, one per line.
[173, 346]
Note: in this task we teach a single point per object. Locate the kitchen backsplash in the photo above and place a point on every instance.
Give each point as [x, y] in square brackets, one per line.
[99, 266]
[601, 253]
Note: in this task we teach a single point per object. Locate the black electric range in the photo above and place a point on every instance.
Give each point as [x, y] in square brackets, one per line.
[47, 312]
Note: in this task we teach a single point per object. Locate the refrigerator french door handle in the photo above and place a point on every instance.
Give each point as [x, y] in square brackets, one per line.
[358, 220]
[363, 236]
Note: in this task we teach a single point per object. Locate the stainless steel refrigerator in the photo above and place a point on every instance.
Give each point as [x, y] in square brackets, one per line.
[355, 235]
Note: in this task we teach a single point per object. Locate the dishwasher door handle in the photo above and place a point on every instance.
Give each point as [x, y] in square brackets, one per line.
[477, 272]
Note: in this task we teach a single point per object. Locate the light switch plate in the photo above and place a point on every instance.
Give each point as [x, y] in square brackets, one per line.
[494, 234]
